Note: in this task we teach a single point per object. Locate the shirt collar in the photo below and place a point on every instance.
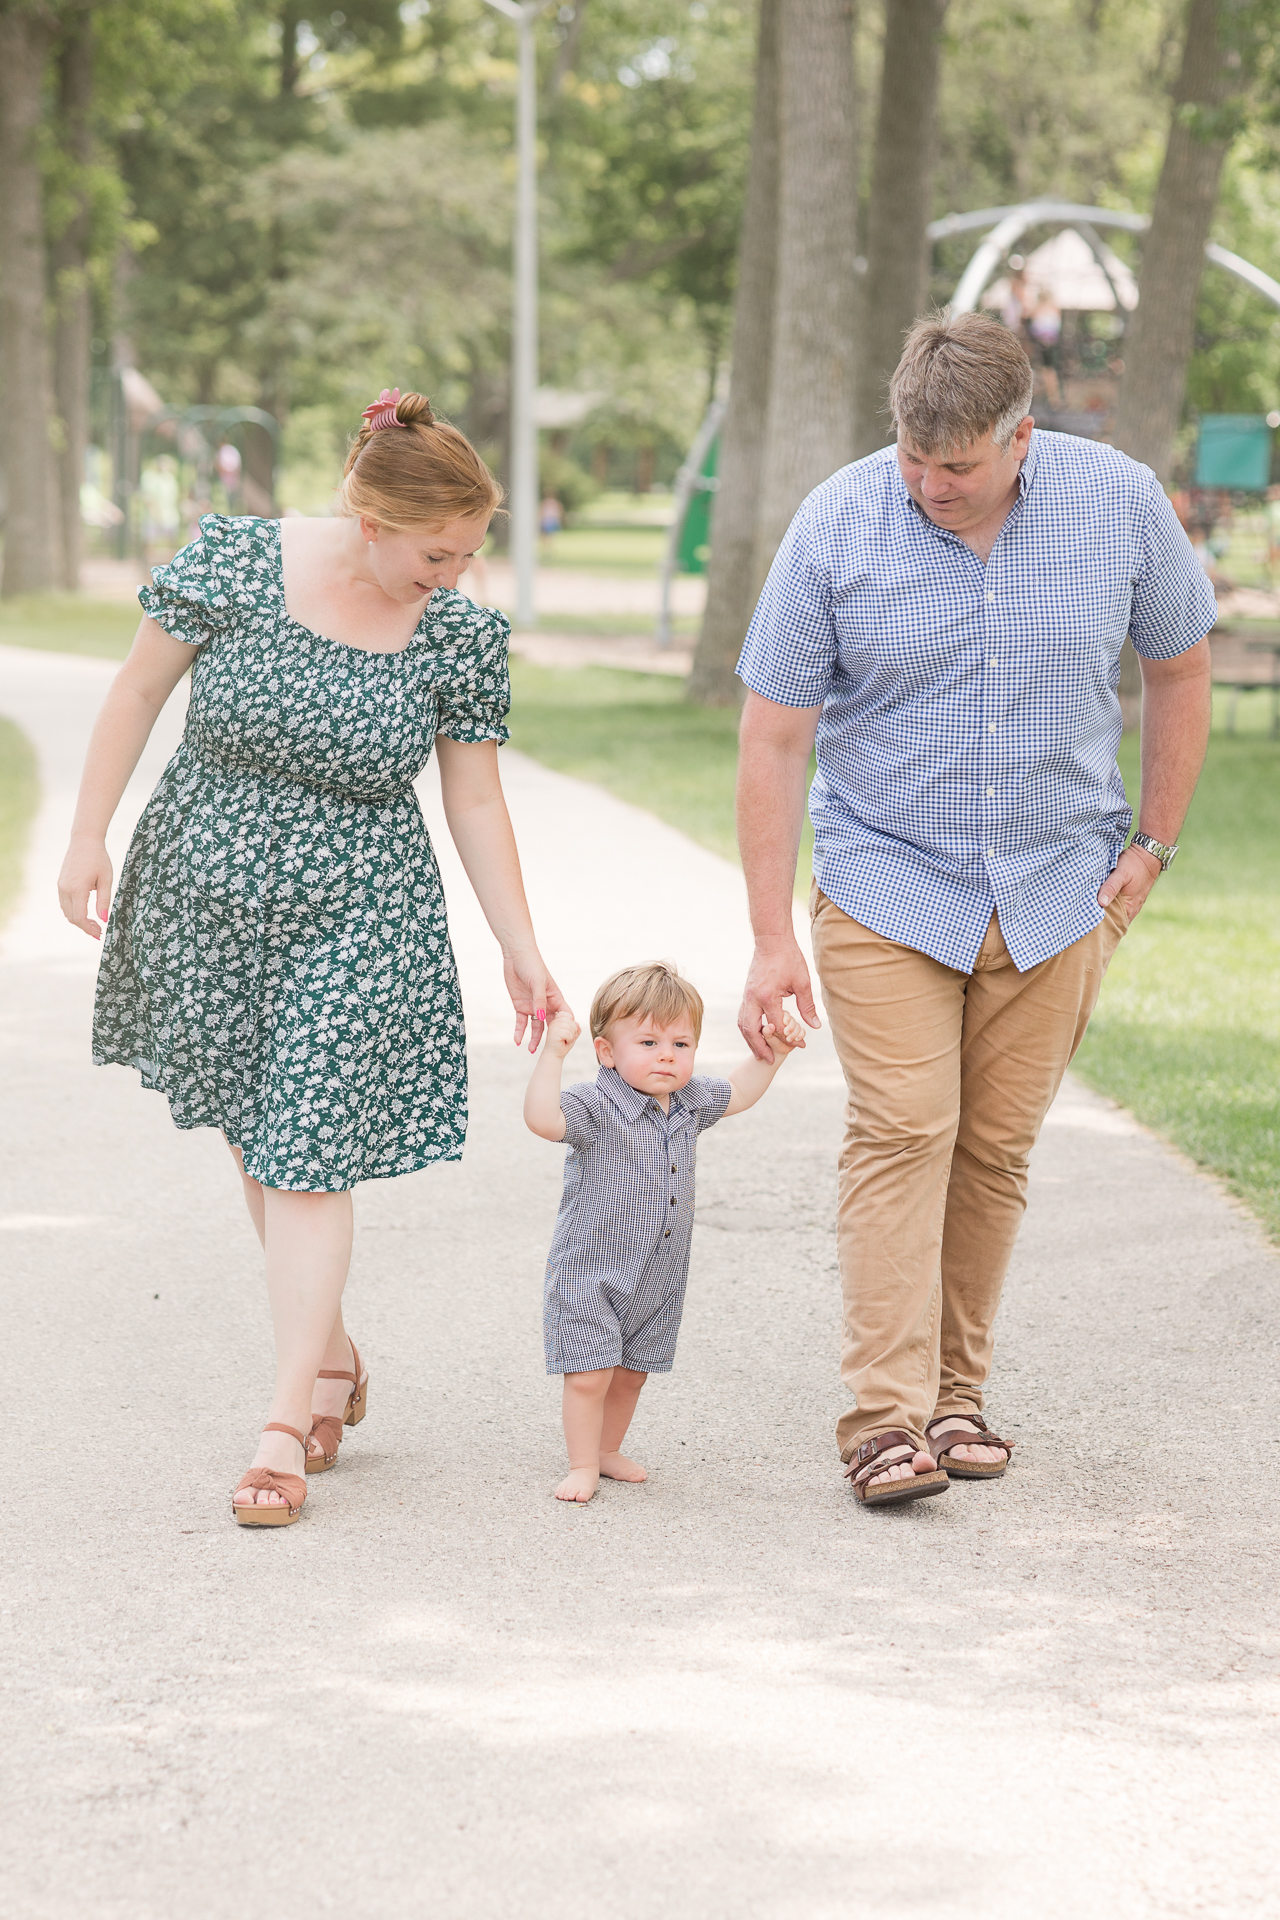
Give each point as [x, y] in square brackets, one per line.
[1026, 476]
[629, 1100]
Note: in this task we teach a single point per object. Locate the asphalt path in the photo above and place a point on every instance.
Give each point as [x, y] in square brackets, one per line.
[729, 1692]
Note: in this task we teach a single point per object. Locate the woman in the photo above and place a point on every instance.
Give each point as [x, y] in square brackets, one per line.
[278, 960]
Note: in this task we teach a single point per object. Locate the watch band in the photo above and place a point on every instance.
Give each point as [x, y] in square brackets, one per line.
[1156, 848]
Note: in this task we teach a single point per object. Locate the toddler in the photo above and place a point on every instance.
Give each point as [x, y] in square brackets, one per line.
[620, 1254]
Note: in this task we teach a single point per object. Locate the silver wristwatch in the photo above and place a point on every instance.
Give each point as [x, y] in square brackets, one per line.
[1156, 848]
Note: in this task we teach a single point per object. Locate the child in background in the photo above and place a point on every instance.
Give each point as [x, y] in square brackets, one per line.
[620, 1254]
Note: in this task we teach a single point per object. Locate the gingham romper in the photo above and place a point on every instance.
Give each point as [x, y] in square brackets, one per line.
[619, 1256]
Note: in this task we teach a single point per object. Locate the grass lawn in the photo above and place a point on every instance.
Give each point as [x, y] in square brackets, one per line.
[1187, 1032]
[605, 549]
[69, 623]
[19, 796]
[633, 733]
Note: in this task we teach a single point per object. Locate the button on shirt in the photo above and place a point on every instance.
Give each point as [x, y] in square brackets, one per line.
[626, 1215]
[966, 747]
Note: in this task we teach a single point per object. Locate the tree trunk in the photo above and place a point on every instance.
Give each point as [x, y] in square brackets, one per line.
[1159, 336]
[731, 574]
[292, 15]
[69, 264]
[30, 556]
[809, 432]
[897, 274]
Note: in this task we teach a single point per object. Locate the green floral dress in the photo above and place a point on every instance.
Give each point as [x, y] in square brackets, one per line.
[277, 961]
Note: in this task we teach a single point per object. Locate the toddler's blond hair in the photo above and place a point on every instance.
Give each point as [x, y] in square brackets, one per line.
[657, 992]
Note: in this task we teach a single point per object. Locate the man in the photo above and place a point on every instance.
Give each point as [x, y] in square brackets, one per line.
[945, 619]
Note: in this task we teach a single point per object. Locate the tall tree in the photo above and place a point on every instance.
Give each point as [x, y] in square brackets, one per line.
[26, 454]
[730, 577]
[809, 431]
[69, 272]
[1159, 337]
[897, 250]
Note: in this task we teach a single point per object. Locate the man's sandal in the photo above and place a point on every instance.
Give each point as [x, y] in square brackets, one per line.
[326, 1428]
[966, 1469]
[267, 1480]
[891, 1449]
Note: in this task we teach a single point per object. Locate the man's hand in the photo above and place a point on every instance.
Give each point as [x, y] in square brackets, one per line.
[1132, 877]
[777, 972]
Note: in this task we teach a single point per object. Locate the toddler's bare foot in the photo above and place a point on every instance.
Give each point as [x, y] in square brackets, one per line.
[579, 1485]
[616, 1466]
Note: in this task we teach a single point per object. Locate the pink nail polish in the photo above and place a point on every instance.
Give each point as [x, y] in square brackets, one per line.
[541, 1015]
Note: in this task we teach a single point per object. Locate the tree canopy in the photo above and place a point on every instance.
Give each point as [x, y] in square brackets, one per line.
[288, 206]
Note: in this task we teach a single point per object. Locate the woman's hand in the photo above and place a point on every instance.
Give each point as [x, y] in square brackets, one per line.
[534, 994]
[86, 870]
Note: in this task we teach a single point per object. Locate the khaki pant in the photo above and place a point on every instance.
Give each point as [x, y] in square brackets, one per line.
[950, 1075]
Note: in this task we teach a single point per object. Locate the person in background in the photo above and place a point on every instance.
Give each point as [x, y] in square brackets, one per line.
[1045, 328]
[550, 517]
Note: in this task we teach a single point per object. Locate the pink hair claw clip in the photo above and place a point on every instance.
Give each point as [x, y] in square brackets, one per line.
[383, 411]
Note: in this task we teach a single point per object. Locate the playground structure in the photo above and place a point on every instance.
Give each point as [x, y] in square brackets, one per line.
[1003, 227]
[158, 466]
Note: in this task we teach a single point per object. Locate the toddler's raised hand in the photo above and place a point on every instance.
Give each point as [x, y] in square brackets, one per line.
[563, 1033]
[791, 1037]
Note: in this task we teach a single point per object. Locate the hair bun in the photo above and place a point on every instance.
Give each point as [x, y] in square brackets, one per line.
[414, 410]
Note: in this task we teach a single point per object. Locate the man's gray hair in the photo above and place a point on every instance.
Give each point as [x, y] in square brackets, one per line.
[960, 376]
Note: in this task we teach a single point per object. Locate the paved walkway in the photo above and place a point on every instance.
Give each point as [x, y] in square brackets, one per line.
[726, 1693]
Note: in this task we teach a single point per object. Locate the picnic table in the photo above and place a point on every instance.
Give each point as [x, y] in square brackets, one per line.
[1244, 660]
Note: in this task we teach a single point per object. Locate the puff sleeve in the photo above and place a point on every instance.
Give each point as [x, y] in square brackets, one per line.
[475, 692]
[191, 597]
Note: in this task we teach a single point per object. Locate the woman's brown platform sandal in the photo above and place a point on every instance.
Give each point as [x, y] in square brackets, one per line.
[967, 1469]
[326, 1428]
[267, 1480]
[892, 1449]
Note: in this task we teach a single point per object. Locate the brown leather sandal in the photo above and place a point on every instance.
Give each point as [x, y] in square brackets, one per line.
[871, 1458]
[326, 1428]
[268, 1480]
[967, 1469]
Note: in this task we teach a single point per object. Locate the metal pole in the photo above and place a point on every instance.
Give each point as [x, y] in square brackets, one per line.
[524, 344]
[524, 331]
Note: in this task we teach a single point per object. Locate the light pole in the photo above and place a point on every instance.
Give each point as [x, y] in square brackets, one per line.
[524, 332]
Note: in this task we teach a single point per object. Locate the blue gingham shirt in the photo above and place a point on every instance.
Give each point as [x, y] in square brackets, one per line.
[967, 743]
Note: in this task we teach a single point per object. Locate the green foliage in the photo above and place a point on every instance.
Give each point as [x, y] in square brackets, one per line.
[649, 142]
[1053, 96]
[291, 207]
[572, 486]
[1236, 364]
[19, 798]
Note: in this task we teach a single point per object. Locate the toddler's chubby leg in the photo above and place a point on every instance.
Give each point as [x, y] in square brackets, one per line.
[582, 1411]
[619, 1405]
